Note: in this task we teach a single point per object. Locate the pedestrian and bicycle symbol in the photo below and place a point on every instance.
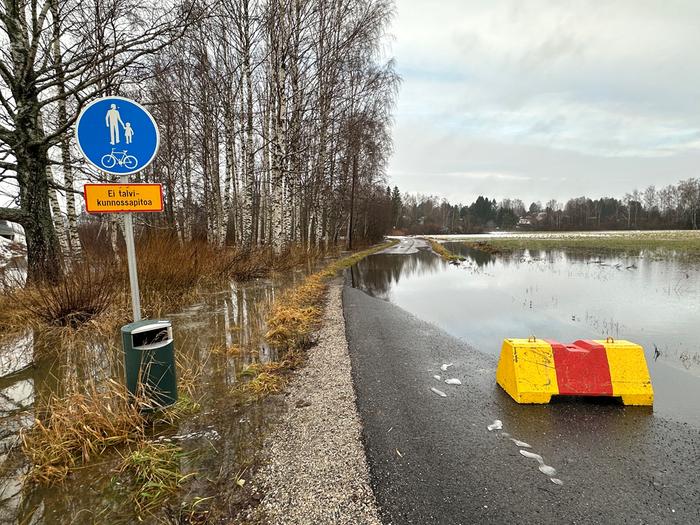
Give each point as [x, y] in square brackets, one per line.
[117, 135]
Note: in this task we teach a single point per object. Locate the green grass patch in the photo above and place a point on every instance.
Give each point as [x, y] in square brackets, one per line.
[680, 243]
[154, 475]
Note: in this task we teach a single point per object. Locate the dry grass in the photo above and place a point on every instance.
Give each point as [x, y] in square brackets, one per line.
[94, 291]
[74, 429]
[165, 263]
[296, 256]
[293, 319]
[231, 351]
[90, 419]
[264, 384]
[295, 315]
[85, 293]
[443, 252]
[259, 380]
[10, 318]
[79, 427]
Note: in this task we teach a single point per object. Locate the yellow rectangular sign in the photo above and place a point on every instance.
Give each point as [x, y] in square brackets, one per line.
[123, 198]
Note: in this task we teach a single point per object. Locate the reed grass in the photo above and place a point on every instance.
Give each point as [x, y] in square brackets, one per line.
[93, 417]
[10, 319]
[94, 291]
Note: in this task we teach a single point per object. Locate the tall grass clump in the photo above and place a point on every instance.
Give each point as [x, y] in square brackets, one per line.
[86, 292]
[295, 315]
[166, 264]
[94, 289]
[78, 427]
[94, 417]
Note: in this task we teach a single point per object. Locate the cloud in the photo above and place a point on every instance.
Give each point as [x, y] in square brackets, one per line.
[527, 89]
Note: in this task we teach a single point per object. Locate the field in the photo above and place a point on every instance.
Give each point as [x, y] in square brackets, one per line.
[681, 243]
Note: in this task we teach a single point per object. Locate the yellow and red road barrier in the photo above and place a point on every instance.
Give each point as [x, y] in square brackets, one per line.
[533, 370]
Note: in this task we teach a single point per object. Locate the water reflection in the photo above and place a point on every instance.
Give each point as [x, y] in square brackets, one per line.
[379, 275]
[217, 338]
[559, 295]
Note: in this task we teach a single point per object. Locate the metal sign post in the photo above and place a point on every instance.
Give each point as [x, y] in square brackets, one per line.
[120, 137]
[131, 260]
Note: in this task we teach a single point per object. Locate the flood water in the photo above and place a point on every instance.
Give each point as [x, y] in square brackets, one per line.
[560, 295]
[220, 439]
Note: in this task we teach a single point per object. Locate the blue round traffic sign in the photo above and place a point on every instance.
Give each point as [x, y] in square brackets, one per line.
[117, 135]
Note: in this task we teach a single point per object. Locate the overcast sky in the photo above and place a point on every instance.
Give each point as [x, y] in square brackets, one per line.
[545, 99]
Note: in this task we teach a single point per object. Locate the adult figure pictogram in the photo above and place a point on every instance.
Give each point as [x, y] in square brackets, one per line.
[112, 121]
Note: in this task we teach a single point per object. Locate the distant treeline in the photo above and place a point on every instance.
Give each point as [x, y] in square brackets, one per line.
[671, 207]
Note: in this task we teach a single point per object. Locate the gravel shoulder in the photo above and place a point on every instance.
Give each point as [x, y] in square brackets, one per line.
[314, 467]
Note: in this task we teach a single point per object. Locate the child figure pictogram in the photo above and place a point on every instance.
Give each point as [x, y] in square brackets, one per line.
[128, 132]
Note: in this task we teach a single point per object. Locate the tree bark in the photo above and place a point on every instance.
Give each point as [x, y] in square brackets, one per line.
[73, 239]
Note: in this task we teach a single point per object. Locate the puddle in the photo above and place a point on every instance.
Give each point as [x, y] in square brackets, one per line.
[557, 294]
[221, 439]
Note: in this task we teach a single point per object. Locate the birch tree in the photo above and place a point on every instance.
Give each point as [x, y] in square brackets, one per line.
[32, 84]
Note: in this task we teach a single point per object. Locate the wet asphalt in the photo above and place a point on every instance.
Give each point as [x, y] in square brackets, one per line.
[432, 459]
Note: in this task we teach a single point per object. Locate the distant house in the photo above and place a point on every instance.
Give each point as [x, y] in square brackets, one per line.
[11, 231]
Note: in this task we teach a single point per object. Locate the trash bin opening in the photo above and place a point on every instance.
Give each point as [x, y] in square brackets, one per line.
[157, 337]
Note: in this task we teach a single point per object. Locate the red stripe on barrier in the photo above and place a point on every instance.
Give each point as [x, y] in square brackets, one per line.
[582, 369]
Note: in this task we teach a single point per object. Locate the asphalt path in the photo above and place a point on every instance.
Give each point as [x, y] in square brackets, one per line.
[433, 460]
[406, 246]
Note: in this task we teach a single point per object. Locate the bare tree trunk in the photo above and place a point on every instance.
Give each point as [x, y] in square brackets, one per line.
[58, 219]
[279, 102]
[73, 241]
[249, 154]
[352, 202]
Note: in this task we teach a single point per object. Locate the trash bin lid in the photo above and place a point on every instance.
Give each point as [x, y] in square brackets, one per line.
[146, 326]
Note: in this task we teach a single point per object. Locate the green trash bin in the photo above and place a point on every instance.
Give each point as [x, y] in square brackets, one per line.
[149, 361]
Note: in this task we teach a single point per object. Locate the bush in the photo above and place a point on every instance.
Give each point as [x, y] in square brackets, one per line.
[86, 291]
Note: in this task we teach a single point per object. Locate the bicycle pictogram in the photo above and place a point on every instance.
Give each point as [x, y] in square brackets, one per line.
[119, 158]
